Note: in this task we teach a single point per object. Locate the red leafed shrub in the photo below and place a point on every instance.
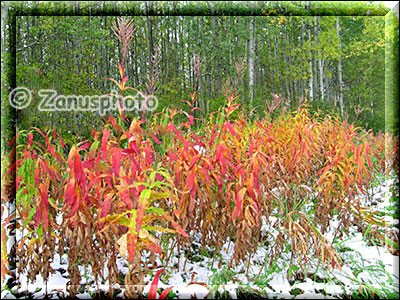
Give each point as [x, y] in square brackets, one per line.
[121, 192]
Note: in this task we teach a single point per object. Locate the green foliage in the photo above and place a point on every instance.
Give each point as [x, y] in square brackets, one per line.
[79, 64]
[370, 288]
[221, 276]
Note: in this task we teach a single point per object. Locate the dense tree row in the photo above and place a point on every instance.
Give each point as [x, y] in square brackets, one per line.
[336, 62]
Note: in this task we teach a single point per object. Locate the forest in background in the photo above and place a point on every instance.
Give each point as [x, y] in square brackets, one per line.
[338, 63]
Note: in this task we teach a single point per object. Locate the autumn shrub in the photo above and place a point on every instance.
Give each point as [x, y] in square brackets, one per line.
[234, 172]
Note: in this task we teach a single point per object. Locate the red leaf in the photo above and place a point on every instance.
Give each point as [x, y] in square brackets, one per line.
[131, 241]
[255, 181]
[195, 137]
[47, 140]
[165, 292]
[71, 158]
[106, 206]
[108, 180]
[154, 286]
[40, 132]
[195, 108]
[148, 156]
[295, 155]
[205, 172]
[30, 138]
[367, 156]
[12, 141]
[104, 140]
[232, 131]
[190, 119]
[11, 168]
[69, 194]
[116, 161]
[78, 170]
[212, 139]
[153, 247]
[112, 121]
[40, 145]
[92, 182]
[84, 146]
[12, 153]
[62, 141]
[194, 160]
[155, 139]
[172, 127]
[176, 225]
[218, 152]
[37, 181]
[159, 177]
[48, 170]
[134, 146]
[190, 180]
[44, 201]
[121, 70]
[75, 207]
[135, 168]
[88, 164]
[124, 80]
[127, 200]
[251, 148]
[239, 202]
[223, 164]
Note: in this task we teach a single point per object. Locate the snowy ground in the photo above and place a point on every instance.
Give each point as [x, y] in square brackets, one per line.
[365, 264]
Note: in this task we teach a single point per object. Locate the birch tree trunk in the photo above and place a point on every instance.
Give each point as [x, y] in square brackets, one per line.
[302, 81]
[320, 62]
[321, 77]
[315, 61]
[251, 64]
[310, 64]
[286, 60]
[340, 72]
[4, 12]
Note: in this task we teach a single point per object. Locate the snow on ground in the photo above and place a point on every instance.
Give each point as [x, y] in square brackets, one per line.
[371, 265]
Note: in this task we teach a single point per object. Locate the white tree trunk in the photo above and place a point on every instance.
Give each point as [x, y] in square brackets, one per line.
[310, 64]
[4, 12]
[340, 72]
[320, 62]
[251, 63]
[321, 77]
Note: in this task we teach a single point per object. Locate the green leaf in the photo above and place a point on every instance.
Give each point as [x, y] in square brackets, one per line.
[156, 210]
[158, 228]
[29, 218]
[120, 219]
[292, 268]
[157, 196]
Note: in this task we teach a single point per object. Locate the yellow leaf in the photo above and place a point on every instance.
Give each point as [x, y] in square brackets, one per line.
[123, 246]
